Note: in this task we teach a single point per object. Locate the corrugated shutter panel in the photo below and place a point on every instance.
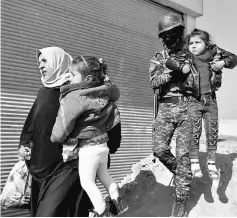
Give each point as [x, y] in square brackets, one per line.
[124, 33]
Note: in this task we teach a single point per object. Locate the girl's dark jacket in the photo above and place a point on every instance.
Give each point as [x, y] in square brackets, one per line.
[192, 84]
[46, 157]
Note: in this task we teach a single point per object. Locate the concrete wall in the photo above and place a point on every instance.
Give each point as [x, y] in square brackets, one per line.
[190, 23]
[190, 8]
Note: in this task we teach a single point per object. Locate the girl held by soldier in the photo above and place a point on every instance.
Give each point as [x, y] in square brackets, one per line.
[207, 61]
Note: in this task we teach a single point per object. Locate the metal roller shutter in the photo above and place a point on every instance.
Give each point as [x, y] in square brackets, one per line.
[124, 33]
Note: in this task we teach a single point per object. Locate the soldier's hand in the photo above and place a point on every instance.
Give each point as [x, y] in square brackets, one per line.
[173, 64]
[186, 68]
[218, 66]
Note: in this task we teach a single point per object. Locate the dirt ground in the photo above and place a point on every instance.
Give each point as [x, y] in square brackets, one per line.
[148, 190]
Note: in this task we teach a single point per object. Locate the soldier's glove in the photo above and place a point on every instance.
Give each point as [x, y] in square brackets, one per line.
[174, 64]
[179, 62]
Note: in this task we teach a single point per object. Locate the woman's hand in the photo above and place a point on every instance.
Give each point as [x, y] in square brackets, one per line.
[70, 154]
[24, 153]
[25, 200]
[218, 66]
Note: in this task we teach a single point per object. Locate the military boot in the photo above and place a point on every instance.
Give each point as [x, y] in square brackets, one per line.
[179, 207]
[119, 204]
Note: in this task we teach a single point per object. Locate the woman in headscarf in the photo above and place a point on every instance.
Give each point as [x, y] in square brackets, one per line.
[55, 189]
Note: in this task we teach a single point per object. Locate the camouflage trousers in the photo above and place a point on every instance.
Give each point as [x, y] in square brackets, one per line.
[174, 117]
[204, 108]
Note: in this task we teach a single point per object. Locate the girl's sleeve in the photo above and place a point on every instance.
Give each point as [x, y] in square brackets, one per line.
[70, 110]
[229, 58]
[108, 89]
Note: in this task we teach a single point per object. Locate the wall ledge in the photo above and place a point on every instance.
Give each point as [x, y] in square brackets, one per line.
[193, 8]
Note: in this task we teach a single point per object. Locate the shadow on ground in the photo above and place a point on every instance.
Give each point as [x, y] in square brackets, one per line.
[147, 198]
[203, 185]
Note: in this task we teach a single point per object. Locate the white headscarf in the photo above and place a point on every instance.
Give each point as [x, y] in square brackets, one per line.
[59, 61]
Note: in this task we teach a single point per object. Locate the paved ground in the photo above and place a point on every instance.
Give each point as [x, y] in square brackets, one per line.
[148, 193]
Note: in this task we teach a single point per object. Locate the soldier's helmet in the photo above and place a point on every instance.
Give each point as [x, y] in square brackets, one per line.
[168, 22]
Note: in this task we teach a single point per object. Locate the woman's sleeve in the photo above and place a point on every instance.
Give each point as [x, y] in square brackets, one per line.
[108, 89]
[27, 130]
[115, 137]
[111, 90]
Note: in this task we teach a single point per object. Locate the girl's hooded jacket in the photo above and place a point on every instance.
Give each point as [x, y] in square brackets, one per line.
[74, 107]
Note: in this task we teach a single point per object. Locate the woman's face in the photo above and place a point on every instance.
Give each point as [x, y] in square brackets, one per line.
[45, 70]
[196, 45]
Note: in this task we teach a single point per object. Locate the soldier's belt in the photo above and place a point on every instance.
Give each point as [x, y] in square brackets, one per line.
[204, 97]
[174, 99]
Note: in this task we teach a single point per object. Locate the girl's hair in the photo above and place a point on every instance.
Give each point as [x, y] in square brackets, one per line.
[93, 66]
[205, 36]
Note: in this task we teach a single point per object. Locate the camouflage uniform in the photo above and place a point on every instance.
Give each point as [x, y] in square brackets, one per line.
[204, 106]
[172, 116]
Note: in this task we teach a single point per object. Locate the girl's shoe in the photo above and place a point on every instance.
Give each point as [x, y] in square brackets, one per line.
[93, 213]
[106, 213]
[119, 204]
[213, 173]
[195, 168]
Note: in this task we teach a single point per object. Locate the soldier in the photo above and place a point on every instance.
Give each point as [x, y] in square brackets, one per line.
[172, 114]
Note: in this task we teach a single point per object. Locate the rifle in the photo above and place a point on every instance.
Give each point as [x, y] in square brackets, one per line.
[155, 104]
[157, 91]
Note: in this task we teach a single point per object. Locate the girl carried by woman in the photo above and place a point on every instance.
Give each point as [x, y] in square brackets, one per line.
[89, 138]
[56, 189]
